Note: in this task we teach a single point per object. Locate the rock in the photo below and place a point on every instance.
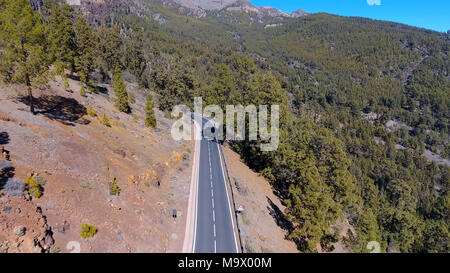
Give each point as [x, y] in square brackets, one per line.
[6, 209]
[19, 231]
[42, 222]
[4, 247]
[46, 241]
[4, 153]
[62, 228]
[27, 196]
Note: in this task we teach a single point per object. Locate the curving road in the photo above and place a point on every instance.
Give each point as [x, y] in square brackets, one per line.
[214, 226]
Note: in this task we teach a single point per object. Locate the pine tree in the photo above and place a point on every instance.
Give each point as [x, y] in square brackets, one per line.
[62, 36]
[120, 90]
[134, 58]
[23, 58]
[245, 68]
[109, 46]
[223, 86]
[150, 118]
[84, 62]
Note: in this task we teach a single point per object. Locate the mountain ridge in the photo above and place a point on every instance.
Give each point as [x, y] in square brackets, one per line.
[213, 5]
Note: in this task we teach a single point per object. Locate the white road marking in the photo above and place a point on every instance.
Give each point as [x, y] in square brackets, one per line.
[229, 204]
[212, 197]
[197, 160]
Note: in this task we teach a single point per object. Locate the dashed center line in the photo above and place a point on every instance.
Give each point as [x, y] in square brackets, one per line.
[212, 198]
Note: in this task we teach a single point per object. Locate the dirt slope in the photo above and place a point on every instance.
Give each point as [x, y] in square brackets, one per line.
[263, 225]
[70, 150]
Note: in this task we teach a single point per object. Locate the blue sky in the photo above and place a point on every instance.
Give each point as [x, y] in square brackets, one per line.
[430, 14]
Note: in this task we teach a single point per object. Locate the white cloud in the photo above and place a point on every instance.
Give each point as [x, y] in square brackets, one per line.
[373, 2]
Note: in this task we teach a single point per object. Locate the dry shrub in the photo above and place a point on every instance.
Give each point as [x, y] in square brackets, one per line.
[6, 117]
[132, 179]
[88, 231]
[176, 158]
[33, 186]
[148, 177]
[14, 187]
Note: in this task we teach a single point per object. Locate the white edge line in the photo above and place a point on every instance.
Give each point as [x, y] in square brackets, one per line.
[228, 197]
[196, 196]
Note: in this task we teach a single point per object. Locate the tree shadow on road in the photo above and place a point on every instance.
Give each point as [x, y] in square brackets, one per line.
[65, 110]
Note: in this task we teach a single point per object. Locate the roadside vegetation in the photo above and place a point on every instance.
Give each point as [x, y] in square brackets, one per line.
[88, 231]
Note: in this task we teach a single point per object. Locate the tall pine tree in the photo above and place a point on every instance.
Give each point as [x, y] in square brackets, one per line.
[120, 90]
[84, 62]
[63, 46]
[23, 57]
[109, 46]
[134, 58]
[150, 118]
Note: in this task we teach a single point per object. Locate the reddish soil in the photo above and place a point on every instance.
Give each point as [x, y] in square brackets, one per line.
[261, 224]
[71, 150]
[16, 213]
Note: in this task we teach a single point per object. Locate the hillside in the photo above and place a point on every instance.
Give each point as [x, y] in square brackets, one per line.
[364, 108]
[70, 150]
[347, 80]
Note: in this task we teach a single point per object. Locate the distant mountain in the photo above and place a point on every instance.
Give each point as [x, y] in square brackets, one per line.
[211, 4]
[299, 13]
[204, 5]
[238, 5]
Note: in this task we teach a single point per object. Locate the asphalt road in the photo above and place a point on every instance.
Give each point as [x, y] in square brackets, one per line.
[214, 232]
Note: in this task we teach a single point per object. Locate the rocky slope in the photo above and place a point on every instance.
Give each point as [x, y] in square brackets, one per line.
[195, 6]
[211, 4]
[70, 150]
[23, 227]
[244, 5]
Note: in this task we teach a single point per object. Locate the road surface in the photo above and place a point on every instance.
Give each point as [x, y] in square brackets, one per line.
[214, 228]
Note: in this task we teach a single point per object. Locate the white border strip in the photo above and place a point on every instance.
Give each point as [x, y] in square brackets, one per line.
[191, 221]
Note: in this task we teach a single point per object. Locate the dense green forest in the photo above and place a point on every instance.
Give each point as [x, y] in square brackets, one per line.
[328, 73]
